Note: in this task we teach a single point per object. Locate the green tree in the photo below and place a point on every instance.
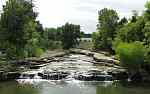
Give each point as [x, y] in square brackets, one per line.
[16, 23]
[51, 38]
[122, 22]
[135, 16]
[132, 31]
[69, 35]
[108, 20]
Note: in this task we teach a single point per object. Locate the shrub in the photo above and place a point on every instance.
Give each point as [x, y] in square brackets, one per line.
[38, 52]
[131, 54]
[96, 40]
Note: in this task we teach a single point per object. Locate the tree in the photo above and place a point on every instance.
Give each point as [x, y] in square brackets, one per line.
[135, 16]
[18, 26]
[132, 31]
[108, 20]
[69, 35]
[147, 11]
[122, 22]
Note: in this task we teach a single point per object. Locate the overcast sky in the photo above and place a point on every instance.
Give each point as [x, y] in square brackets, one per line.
[53, 13]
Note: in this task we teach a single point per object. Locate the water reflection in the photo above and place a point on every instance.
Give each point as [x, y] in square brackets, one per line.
[118, 88]
[13, 87]
[72, 88]
[113, 89]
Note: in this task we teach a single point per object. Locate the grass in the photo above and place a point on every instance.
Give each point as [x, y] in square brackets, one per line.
[85, 45]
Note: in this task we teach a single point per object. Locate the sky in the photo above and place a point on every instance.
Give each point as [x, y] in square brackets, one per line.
[54, 13]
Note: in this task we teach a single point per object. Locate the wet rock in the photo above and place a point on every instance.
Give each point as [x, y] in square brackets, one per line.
[34, 67]
[119, 74]
[93, 75]
[137, 77]
[53, 75]
[1, 75]
[9, 75]
[12, 75]
[27, 75]
[89, 77]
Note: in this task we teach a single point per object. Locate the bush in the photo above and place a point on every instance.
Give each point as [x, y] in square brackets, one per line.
[38, 52]
[96, 40]
[131, 54]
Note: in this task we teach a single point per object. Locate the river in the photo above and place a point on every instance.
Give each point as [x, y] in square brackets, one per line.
[31, 83]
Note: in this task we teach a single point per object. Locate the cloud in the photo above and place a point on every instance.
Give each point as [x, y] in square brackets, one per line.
[53, 13]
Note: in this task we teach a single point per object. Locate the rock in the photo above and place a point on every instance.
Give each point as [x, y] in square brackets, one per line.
[99, 57]
[89, 77]
[26, 75]
[136, 78]
[93, 75]
[12, 75]
[53, 75]
[102, 58]
[1, 75]
[119, 74]
[9, 75]
[80, 51]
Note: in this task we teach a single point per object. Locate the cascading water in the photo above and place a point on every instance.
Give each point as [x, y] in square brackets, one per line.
[71, 68]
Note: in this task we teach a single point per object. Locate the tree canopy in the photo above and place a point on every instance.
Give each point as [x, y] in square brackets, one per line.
[70, 34]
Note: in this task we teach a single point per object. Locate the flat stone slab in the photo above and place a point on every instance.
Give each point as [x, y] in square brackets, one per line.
[99, 57]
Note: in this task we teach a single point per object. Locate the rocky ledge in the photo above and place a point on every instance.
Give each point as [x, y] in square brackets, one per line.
[4, 76]
[99, 57]
[114, 71]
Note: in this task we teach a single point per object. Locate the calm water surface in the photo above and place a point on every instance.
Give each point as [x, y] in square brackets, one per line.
[79, 88]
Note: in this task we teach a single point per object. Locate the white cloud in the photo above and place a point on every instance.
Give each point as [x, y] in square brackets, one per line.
[53, 13]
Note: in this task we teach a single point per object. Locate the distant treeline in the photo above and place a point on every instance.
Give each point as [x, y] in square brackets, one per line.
[87, 36]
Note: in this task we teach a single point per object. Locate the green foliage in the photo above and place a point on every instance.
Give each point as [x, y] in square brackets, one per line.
[132, 31]
[122, 22]
[19, 28]
[108, 20]
[131, 54]
[146, 31]
[147, 11]
[96, 40]
[50, 38]
[69, 35]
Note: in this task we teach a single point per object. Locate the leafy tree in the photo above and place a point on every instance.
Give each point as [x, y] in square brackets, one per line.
[122, 22]
[147, 11]
[51, 38]
[16, 23]
[135, 16]
[69, 35]
[132, 31]
[108, 20]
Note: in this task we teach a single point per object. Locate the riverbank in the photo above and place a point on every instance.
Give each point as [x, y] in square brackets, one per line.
[100, 59]
[12, 70]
